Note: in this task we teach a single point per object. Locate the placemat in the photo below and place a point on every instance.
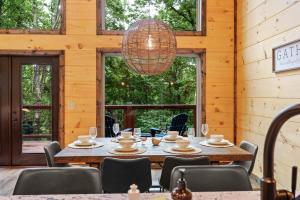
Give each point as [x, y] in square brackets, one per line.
[97, 145]
[205, 143]
[170, 150]
[139, 151]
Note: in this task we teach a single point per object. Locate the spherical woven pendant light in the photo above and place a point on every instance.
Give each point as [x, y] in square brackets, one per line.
[149, 47]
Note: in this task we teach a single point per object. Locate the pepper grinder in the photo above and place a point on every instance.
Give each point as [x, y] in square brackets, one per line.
[181, 192]
[134, 192]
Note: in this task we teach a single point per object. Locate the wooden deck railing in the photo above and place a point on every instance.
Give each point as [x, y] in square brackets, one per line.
[130, 114]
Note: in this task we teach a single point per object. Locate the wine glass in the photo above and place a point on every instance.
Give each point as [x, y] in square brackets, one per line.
[204, 129]
[93, 132]
[137, 132]
[116, 128]
[191, 133]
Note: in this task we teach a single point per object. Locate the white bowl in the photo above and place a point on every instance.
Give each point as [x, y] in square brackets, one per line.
[126, 143]
[84, 139]
[182, 143]
[173, 134]
[126, 134]
[216, 138]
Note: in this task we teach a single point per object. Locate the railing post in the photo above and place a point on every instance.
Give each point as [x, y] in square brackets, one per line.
[129, 117]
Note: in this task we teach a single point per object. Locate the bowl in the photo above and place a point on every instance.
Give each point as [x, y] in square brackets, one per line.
[126, 143]
[182, 143]
[173, 134]
[216, 138]
[126, 134]
[155, 141]
[84, 139]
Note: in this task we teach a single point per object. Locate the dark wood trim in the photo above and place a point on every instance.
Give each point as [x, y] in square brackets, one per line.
[202, 57]
[61, 31]
[178, 50]
[99, 117]
[151, 106]
[30, 53]
[101, 31]
[38, 107]
[5, 114]
[61, 99]
[235, 76]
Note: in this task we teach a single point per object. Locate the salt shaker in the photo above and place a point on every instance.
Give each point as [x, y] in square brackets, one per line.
[134, 192]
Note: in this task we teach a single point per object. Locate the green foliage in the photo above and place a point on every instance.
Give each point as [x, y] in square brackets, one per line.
[29, 14]
[178, 14]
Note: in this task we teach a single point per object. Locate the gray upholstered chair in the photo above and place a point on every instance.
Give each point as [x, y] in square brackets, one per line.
[251, 148]
[119, 174]
[213, 178]
[59, 180]
[51, 150]
[171, 162]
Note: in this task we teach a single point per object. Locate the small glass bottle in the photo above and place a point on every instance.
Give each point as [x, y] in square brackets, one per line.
[181, 192]
[134, 192]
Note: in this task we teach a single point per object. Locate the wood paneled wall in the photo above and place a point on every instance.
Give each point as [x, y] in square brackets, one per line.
[263, 25]
[81, 41]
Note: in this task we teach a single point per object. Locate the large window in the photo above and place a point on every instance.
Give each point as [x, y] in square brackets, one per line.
[150, 101]
[180, 15]
[31, 16]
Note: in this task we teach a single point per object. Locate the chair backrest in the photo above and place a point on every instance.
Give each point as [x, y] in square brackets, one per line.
[178, 123]
[213, 178]
[109, 122]
[119, 174]
[251, 148]
[51, 150]
[171, 162]
[59, 180]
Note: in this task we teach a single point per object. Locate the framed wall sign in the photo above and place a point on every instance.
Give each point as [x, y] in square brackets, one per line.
[286, 57]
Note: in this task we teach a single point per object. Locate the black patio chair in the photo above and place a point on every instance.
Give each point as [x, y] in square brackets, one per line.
[109, 122]
[178, 123]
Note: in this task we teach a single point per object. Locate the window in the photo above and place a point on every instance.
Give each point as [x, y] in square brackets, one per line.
[140, 101]
[21, 16]
[180, 15]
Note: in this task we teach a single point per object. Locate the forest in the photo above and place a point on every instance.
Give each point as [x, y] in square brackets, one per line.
[122, 86]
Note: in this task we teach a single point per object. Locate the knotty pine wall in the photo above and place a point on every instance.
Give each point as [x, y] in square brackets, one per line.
[263, 25]
[81, 41]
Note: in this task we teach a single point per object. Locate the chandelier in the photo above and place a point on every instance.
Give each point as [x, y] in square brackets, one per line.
[149, 47]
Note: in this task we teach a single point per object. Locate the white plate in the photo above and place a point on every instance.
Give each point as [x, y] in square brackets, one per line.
[79, 143]
[123, 138]
[222, 142]
[177, 148]
[128, 149]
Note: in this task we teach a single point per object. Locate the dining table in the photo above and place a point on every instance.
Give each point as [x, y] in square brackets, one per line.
[156, 154]
[248, 195]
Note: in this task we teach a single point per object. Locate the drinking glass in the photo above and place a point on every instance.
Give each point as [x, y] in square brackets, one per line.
[93, 132]
[204, 129]
[116, 129]
[191, 133]
[137, 132]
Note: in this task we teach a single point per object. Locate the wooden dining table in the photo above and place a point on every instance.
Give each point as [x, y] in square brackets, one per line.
[156, 154]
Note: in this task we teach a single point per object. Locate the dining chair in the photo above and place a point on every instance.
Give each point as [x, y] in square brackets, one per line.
[213, 178]
[51, 150]
[119, 174]
[59, 180]
[251, 148]
[171, 162]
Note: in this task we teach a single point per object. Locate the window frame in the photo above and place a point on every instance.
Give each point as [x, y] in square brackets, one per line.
[199, 53]
[200, 15]
[61, 31]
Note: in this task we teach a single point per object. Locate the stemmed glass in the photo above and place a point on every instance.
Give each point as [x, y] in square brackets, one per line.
[93, 132]
[116, 129]
[191, 133]
[137, 132]
[204, 129]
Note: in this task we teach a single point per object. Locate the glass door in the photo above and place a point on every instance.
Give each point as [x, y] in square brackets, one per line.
[35, 84]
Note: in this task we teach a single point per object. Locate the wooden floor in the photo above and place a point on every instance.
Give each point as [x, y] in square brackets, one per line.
[9, 175]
